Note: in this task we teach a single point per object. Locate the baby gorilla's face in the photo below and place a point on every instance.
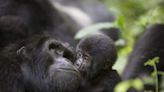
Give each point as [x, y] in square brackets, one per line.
[83, 61]
[95, 53]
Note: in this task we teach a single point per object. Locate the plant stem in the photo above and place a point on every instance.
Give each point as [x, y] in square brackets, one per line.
[156, 78]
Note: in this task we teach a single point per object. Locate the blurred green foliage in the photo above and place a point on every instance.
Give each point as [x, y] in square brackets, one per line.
[153, 62]
[93, 28]
[136, 16]
[133, 17]
[125, 85]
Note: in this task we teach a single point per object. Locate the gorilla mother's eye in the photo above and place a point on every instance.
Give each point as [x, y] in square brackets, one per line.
[55, 46]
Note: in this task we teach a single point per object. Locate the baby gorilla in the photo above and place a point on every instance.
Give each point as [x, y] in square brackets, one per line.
[40, 64]
[96, 55]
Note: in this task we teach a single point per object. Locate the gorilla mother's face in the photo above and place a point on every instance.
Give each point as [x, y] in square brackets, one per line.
[48, 66]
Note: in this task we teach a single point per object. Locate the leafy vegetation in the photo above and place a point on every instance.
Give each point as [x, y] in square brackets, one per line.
[152, 63]
[124, 86]
[133, 16]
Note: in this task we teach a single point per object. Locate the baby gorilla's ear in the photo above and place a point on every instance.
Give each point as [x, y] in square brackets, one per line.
[22, 54]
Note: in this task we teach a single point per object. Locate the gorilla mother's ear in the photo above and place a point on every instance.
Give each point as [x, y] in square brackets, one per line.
[22, 53]
[21, 50]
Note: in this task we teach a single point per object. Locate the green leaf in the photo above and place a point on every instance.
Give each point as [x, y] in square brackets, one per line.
[122, 86]
[120, 22]
[152, 62]
[138, 84]
[93, 28]
[125, 85]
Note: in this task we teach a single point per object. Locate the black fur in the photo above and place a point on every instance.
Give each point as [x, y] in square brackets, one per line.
[23, 18]
[96, 55]
[149, 45]
[40, 64]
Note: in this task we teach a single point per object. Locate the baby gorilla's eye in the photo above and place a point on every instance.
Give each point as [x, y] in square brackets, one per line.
[79, 55]
[86, 57]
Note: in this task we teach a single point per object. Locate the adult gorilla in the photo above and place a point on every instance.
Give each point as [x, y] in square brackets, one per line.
[150, 45]
[30, 62]
[82, 13]
[38, 16]
[40, 64]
